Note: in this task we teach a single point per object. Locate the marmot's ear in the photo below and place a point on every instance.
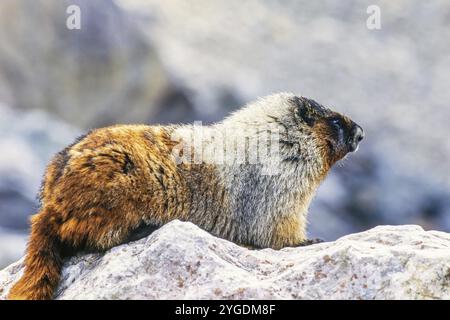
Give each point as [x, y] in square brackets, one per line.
[304, 111]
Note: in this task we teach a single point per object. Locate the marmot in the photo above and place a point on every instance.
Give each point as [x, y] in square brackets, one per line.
[101, 190]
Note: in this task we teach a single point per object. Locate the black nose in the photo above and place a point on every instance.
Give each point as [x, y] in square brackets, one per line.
[356, 135]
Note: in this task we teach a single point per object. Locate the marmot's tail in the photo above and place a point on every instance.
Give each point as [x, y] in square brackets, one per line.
[42, 262]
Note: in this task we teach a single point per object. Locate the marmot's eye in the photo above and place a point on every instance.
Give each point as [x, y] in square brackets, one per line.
[336, 122]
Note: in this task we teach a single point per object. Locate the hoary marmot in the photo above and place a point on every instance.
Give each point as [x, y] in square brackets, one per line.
[104, 188]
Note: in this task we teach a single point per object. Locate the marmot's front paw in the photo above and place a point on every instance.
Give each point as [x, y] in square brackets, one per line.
[310, 242]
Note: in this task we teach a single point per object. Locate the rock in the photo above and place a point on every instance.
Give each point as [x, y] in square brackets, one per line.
[181, 261]
[107, 72]
[29, 140]
[12, 246]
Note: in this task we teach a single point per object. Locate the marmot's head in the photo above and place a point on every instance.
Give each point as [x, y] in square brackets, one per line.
[309, 132]
[334, 134]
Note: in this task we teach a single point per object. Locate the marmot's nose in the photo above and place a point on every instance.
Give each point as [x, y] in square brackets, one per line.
[356, 135]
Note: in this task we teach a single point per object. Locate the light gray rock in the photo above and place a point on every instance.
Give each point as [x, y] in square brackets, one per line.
[12, 246]
[181, 261]
[28, 139]
[104, 73]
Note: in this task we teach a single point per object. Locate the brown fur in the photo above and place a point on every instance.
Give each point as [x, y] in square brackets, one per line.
[99, 190]
[99, 186]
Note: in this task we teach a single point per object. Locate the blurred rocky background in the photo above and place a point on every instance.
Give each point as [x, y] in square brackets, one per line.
[152, 61]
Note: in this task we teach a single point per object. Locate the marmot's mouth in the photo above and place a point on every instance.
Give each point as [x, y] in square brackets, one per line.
[335, 151]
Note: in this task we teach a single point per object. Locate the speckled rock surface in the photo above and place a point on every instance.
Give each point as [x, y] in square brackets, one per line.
[181, 261]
